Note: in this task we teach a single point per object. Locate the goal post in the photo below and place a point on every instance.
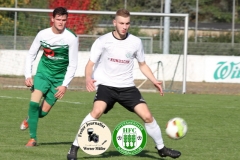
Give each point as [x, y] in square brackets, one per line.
[185, 33]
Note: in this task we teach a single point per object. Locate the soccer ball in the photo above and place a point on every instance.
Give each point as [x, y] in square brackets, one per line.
[176, 128]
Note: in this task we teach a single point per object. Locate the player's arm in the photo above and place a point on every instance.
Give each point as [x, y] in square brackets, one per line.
[73, 61]
[149, 74]
[88, 74]
[31, 56]
[95, 53]
[71, 69]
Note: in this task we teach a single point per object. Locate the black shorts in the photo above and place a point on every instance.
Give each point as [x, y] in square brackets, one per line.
[128, 97]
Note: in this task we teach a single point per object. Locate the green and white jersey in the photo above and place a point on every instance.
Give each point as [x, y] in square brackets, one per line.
[60, 55]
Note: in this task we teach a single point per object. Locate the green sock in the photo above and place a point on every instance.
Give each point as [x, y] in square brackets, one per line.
[42, 113]
[33, 119]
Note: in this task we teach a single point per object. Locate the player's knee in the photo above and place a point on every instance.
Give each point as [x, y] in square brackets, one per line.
[42, 114]
[98, 109]
[96, 113]
[147, 118]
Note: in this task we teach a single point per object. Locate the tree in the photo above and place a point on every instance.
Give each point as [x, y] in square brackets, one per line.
[30, 23]
[7, 18]
[209, 10]
[79, 23]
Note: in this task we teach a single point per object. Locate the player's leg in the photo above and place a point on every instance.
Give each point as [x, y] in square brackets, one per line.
[97, 111]
[49, 98]
[102, 104]
[48, 88]
[133, 101]
[41, 87]
[42, 84]
[44, 109]
[151, 125]
[33, 113]
[154, 131]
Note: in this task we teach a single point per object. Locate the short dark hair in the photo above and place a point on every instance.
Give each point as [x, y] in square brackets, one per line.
[122, 13]
[60, 11]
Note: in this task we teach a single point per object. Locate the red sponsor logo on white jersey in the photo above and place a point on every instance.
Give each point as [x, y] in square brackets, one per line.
[118, 60]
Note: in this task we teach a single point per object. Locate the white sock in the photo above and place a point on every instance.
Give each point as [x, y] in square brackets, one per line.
[86, 119]
[154, 131]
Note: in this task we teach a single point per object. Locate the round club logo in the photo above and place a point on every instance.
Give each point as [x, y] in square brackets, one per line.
[94, 137]
[129, 137]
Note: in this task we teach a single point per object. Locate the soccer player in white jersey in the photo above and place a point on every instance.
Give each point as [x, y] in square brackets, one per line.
[55, 70]
[112, 57]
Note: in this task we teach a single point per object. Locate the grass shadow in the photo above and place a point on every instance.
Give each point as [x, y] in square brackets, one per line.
[108, 154]
[55, 143]
[113, 154]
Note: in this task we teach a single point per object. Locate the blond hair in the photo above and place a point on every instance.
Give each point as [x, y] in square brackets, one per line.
[122, 13]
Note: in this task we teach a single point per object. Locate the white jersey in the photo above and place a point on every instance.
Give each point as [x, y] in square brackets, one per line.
[114, 60]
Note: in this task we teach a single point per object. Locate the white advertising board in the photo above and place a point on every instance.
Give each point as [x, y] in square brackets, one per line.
[224, 69]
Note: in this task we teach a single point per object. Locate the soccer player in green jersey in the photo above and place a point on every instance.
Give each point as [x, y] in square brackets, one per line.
[55, 70]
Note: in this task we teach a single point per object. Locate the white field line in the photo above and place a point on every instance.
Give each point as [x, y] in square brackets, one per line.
[153, 105]
[21, 98]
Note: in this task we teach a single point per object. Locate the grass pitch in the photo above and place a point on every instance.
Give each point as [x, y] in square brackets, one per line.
[213, 126]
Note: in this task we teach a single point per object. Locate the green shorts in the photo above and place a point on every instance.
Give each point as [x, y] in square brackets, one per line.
[47, 86]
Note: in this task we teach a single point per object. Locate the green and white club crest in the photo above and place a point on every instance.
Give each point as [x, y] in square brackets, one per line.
[129, 137]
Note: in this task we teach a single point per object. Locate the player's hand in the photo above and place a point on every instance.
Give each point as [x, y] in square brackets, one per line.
[29, 82]
[61, 91]
[158, 85]
[90, 85]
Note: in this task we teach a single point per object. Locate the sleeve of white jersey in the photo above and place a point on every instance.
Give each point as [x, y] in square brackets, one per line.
[31, 56]
[73, 61]
[96, 50]
[140, 52]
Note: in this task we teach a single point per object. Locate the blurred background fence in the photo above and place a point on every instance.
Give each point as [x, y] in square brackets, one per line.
[214, 25]
[150, 45]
